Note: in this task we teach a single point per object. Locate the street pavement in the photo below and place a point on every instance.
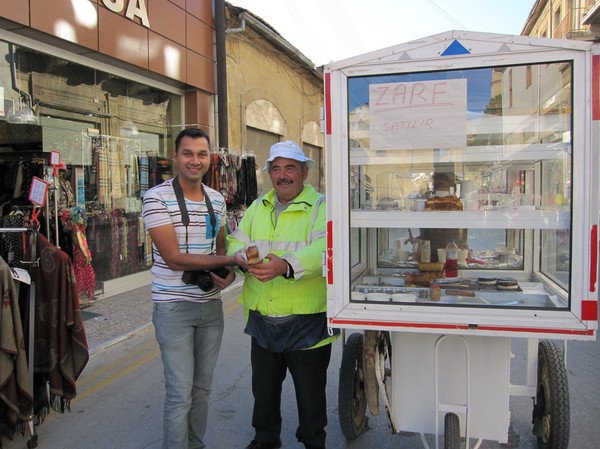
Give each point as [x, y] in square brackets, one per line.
[120, 392]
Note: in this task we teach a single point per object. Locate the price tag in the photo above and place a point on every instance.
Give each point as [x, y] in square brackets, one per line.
[21, 275]
[38, 191]
[54, 158]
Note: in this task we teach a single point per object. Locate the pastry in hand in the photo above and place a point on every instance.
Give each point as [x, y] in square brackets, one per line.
[252, 255]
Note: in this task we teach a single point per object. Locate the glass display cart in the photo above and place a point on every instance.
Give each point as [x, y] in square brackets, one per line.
[486, 140]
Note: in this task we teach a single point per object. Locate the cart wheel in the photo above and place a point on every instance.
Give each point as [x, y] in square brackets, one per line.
[352, 398]
[451, 431]
[551, 411]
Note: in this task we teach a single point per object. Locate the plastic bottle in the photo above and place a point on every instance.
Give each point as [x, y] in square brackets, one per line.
[451, 265]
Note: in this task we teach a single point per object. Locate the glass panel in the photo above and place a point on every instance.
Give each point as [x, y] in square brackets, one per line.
[481, 156]
[358, 252]
[108, 169]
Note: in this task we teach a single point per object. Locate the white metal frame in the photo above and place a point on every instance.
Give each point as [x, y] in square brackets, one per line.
[486, 51]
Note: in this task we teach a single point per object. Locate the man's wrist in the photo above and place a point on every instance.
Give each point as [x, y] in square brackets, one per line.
[289, 271]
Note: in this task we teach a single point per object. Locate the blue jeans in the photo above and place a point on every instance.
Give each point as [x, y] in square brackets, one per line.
[189, 336]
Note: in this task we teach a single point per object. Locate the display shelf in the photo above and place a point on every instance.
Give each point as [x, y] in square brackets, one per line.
[515, 218]
[491, 154]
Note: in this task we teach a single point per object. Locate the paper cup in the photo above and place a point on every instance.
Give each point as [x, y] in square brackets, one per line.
[420, 205]
[441, 255]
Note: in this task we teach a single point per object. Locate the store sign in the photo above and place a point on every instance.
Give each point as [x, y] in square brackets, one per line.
[422, 114]
[135, 8]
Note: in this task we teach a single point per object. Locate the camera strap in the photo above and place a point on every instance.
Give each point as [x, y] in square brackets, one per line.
[185, 218]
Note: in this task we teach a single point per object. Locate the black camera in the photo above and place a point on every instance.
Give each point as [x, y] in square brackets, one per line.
[202, 278]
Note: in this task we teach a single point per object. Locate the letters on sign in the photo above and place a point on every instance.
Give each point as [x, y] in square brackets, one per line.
[421, 114]
[135, 8]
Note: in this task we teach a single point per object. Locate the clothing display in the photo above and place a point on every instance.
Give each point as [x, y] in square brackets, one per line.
[15, 390]
[58, 353]
[234, 176]
[110, 183]
[60, 346]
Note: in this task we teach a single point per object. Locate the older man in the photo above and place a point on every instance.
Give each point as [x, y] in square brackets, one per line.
[284, 296]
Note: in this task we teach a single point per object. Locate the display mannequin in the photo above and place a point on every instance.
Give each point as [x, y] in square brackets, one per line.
[74, 222]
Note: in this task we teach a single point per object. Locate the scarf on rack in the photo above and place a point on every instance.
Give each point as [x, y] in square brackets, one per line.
[60, 347]
[15, 391]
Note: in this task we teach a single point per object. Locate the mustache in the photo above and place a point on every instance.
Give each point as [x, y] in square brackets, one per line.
[283, 182]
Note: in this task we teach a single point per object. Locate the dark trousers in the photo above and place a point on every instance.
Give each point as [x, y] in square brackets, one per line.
[309, 373]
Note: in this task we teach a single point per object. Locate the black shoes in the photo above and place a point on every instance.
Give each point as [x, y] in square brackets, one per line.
[256, 445]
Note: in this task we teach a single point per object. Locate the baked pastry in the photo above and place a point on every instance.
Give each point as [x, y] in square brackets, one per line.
[487, 280]
[431, 266]
[422, 279]
[449, 202]
[252, 255]
[507, 284]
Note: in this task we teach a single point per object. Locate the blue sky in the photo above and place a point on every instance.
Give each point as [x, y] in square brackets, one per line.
[330, 30]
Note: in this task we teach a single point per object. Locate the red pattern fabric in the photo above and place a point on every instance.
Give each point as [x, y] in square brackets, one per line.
[84, 273]
[60, 345]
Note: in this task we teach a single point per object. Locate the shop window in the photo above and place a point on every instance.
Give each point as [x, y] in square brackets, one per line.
[114, 137]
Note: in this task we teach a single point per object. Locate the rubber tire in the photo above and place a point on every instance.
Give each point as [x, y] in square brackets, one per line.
[551, 413]
[451, 431]
[352, 398]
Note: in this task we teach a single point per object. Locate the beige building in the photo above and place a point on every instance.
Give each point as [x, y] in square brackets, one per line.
[561, 19]
[274, 93]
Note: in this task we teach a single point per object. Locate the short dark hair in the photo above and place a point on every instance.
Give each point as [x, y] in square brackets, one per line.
[444, 179]
[194, 133]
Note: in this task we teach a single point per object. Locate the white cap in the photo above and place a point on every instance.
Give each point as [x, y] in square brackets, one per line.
[289, 150]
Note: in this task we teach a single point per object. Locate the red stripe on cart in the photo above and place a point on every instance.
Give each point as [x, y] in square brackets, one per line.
[330, 252]
[593, 257]
[328, 103]
[436, 326]
[589, 310]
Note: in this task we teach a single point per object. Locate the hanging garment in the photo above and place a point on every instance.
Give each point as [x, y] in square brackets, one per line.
[60, 346]
[103, 177]
[15, 390]
[143, 174]
[116, 166]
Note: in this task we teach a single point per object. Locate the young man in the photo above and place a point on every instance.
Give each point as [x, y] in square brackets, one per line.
[285, 298]
[186, 221]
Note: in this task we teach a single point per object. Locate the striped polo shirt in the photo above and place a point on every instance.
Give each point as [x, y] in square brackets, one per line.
[159, 208]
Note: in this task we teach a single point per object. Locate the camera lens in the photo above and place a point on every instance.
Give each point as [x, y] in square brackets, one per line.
[205, 282]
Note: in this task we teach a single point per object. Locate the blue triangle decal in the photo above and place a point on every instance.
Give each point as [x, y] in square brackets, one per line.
[455, 48]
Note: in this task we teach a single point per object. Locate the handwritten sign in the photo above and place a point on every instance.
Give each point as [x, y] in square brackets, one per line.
[54, 158]
[38, 191]
[421, 114]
